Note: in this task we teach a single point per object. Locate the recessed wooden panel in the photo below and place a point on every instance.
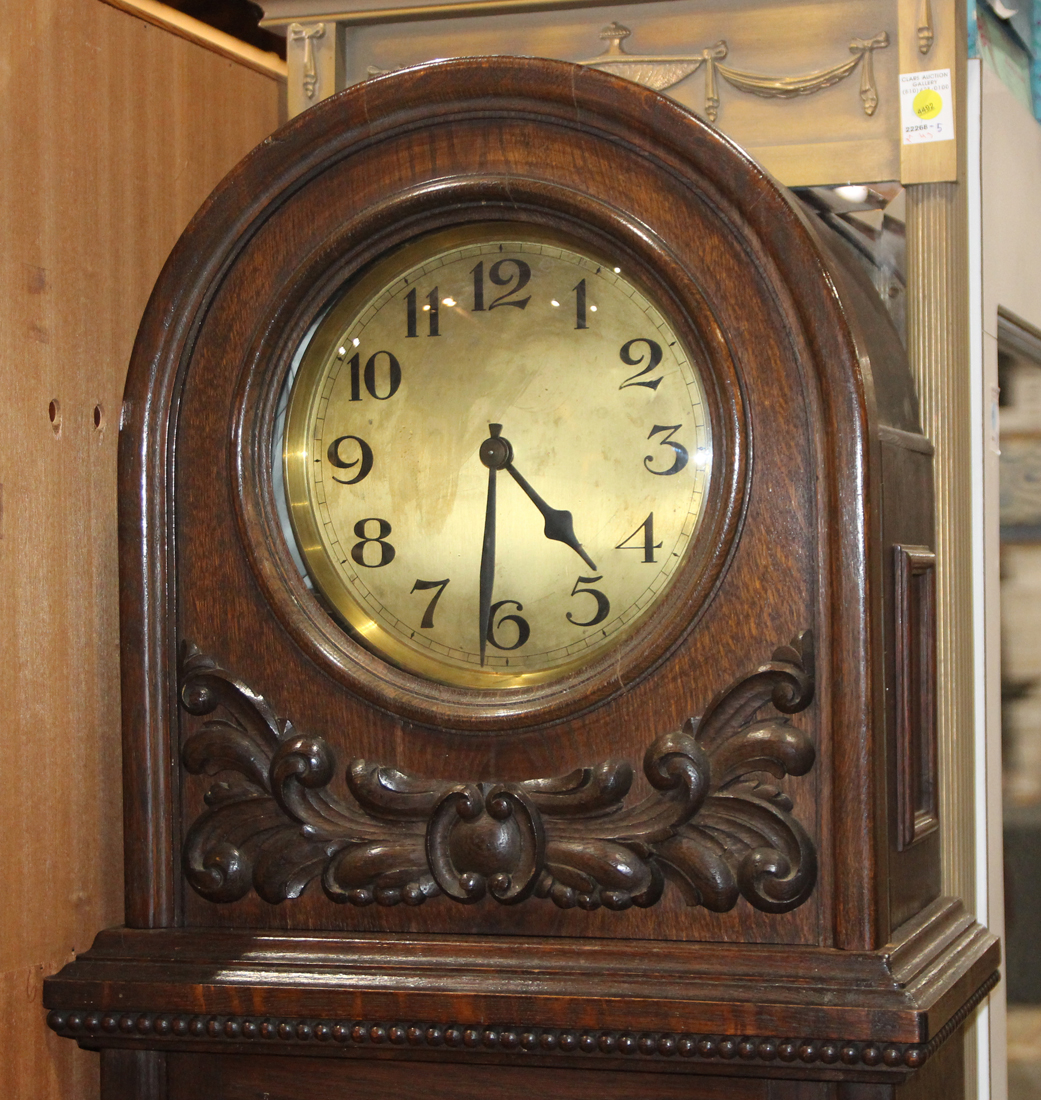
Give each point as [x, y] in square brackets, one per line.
[915, 642]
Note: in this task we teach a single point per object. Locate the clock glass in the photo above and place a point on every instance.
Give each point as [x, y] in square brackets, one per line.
[496, 453]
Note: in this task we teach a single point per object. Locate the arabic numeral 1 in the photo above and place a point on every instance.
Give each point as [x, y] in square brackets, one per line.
[430, 309]
[580, 304]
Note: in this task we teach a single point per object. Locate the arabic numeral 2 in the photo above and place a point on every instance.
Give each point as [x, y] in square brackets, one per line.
[645, 542]
[632, 357]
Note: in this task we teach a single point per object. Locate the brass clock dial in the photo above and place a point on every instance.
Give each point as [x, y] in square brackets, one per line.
[496, 455]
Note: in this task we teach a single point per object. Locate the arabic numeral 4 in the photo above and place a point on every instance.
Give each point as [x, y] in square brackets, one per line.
[642, 540]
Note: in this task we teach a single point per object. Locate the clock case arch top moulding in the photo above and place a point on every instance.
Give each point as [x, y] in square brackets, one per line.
[893, 965]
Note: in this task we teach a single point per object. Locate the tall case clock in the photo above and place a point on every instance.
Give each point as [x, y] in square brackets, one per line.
[528, 627]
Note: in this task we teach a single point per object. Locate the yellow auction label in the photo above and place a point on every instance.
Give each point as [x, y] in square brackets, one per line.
[927, 103]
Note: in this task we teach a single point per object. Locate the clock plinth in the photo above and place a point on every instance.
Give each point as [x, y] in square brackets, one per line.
[702, 842]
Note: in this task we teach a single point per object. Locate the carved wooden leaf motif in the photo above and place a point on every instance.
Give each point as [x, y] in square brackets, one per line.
[717, 825]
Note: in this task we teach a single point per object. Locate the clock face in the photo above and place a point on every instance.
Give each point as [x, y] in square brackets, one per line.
[496, 454]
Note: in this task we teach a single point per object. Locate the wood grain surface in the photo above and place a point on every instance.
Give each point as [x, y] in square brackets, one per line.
[826, 470]
[357, 175]
[244, 989]
[239, 1078]
[113, 133]
[234, 1077]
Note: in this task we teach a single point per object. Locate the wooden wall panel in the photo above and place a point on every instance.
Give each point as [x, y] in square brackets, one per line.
[113, 131]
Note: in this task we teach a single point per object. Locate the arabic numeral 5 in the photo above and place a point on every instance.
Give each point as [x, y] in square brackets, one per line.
[603, 604]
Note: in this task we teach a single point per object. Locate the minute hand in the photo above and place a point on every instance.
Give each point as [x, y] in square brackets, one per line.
[559, 524]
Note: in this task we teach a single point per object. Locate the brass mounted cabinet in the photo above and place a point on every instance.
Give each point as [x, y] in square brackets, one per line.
[704, 848]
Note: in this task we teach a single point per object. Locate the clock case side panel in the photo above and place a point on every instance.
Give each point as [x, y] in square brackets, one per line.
[164, 347]
[902, 571]
[149, 644]
[862, 513]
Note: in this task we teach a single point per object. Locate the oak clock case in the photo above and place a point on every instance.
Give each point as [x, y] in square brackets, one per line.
[342, 843]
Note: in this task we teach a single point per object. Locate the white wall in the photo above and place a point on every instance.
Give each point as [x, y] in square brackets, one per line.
[1011, 263]
[1011, 209]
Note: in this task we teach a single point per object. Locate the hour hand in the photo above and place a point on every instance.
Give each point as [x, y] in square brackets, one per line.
[560, 524]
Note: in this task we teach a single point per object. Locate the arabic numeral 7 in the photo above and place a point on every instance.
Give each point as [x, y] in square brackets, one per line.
[423, 586]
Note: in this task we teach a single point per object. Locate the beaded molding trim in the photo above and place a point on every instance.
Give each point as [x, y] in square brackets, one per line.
[84, 1025]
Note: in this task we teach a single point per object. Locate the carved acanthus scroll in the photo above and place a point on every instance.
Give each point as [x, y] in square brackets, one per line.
[716, 824]
[661, 72]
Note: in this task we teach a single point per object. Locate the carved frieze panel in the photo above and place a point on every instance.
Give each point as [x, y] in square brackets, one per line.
[717, 826]
[766, 74]
[661, 72]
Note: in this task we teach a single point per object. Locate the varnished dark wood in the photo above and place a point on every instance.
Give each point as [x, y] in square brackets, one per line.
[906, 993]
[710, 826]
[917, 781]
[942, 1078]
[133, 1074]
[773, 567]
[913, 870]
[233, 1077]
[858, 973]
